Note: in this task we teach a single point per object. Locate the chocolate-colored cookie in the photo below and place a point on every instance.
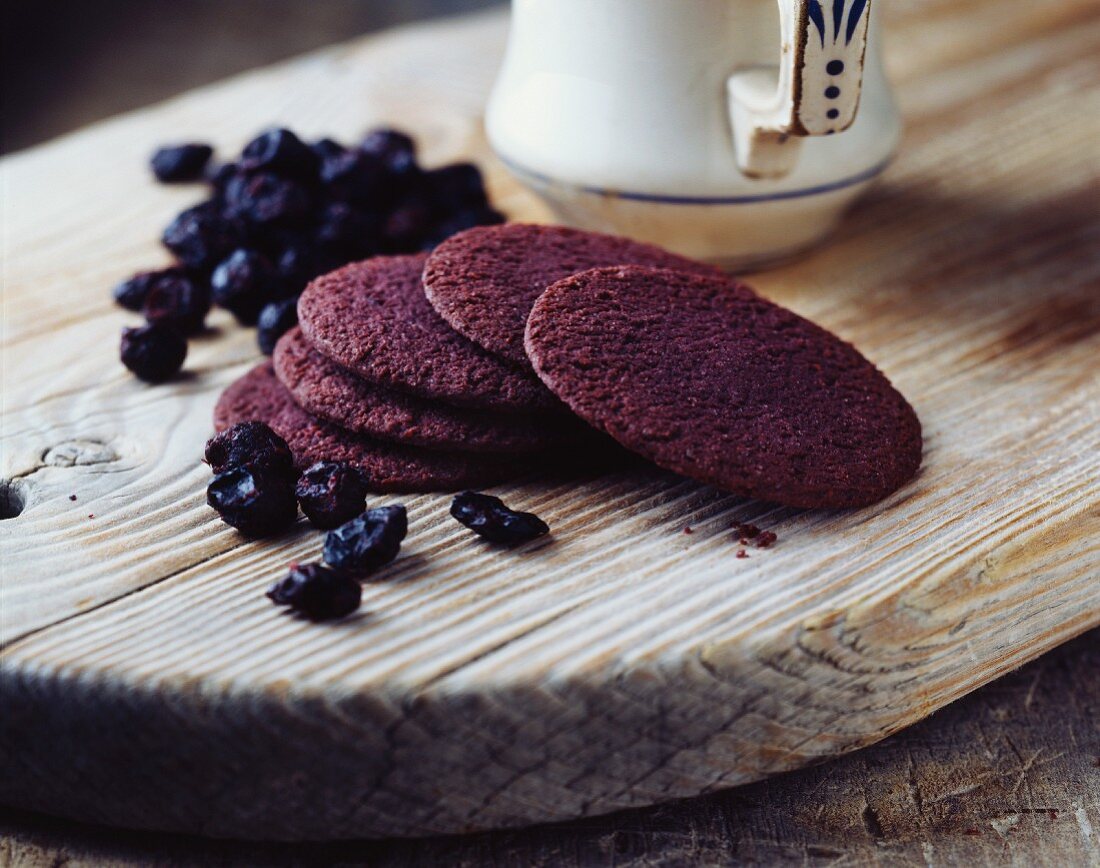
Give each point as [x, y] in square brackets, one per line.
[372, 318]
[324, 389]
[703, 377]
[258, 395]
[484, 281]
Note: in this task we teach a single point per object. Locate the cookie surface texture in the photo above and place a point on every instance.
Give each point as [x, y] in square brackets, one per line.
[372, 317]
[484, 281]
[259, 395]
[324, 389]
[703, 377]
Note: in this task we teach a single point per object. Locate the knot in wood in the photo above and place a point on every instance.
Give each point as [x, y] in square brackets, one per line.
[79, 453]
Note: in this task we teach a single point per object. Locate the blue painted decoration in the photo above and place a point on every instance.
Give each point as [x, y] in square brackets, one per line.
[818, 18]
[855, 14]
[838, 15]
[853, 18]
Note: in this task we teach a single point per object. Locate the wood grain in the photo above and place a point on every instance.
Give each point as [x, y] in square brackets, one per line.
[1010, 775]
[622, 661]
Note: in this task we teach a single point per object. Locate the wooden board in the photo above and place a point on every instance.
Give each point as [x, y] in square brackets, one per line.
[148, 683]
[1009, 775]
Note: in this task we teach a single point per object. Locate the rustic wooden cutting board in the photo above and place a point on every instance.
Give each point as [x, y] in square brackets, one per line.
[147, 682]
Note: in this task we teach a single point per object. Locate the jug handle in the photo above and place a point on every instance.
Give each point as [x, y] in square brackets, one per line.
[820, 78]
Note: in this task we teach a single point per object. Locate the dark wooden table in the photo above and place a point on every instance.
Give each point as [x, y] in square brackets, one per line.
[1008, 775]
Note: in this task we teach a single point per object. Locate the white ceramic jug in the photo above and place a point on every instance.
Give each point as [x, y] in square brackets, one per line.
[731, 130]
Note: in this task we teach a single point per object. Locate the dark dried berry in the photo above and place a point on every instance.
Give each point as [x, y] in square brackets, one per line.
[181, 162]
[326, 147]
[131, 293]
[343, 229]
[179, 301]
[460, 222]
[218, 176]
[275, 320]
[248, 444]
[408, 225]
[244, 283]
[279, 150]
[394, 149]
[317, 593]
[201, 236]
[299, 263]
[368, 542]
[331, 493]
[456, 187]
[354, 176]
[267, 198]
[295, 265]
[154, 353]
[254, 499]
[487, 516]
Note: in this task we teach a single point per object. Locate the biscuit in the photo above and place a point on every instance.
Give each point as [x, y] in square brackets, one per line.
[705, 378]
[258, 395]
[484, 281]
[324, 389]
[372, 318]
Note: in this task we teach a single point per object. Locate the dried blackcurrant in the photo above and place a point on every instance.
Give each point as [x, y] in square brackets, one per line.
[347, 230]
[180, 301]
[218, 176]
[488, 517]
[181, 162]
[131, 293]
[326, 147]
[202, 236]
[267, 198]
[456, 187]
[279, 150]
[247, 444]
[408, 225]
[154, 353]
[331, 493]
[353, 175]
[298, 263]
[396, 150]
[254, 498]
[275, 320]
[318, 593]
[243, 283]
[368, 542]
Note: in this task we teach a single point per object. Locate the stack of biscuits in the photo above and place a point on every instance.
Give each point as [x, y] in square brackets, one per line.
[510, 350]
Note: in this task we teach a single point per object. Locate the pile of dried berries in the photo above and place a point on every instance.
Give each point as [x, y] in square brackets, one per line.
[255, 489]
[283, 213]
